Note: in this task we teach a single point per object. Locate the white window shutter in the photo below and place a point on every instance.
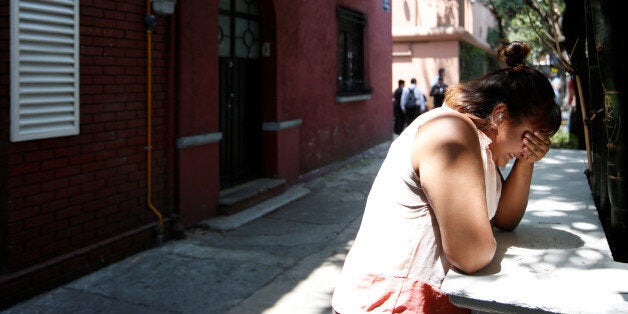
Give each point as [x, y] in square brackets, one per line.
[44, 69]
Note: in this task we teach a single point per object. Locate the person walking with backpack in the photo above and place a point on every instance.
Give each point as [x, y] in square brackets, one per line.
[412, 101]
[398, 115]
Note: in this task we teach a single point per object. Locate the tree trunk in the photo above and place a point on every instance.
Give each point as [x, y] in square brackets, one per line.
[610, 53]
[574, 29]
[594, 113]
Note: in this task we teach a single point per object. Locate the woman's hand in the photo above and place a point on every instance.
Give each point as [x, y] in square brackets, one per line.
[535, 146]
[516, 187]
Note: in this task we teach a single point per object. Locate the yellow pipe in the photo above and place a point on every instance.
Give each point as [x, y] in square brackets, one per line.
[149, 149]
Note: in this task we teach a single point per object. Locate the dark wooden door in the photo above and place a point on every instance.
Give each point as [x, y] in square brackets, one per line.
[240, 92]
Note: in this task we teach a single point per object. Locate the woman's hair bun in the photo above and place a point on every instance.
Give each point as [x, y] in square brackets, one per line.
[514, 53]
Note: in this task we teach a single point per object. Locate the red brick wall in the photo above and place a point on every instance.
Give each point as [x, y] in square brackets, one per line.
[67, 194]
[4, 128]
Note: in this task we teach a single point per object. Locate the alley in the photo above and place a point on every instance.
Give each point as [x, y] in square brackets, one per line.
[284, 262]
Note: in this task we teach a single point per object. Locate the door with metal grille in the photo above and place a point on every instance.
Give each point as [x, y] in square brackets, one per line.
[240, 93]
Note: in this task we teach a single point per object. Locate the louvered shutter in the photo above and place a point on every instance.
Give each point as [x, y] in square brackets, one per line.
[44, 69]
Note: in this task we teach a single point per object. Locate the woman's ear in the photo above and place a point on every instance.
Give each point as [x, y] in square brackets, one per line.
[499, 114]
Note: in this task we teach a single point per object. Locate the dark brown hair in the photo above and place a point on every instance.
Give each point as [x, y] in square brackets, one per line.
[526, 92]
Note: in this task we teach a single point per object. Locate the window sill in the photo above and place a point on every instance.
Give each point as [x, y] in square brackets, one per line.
[353, 97]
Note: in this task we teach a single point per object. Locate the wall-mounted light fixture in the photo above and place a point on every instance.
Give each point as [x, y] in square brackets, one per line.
[163, 7]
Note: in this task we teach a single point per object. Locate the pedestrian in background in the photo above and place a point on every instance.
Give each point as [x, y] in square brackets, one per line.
[412, 101]
[441, 73]
[557, 85]
[570, 99]
[399, 122]
[438, 92]
[439, 191]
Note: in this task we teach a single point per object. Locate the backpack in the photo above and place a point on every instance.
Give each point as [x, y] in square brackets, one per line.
[411, 99]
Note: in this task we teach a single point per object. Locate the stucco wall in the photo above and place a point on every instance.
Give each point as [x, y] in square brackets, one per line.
[427, 13]
[482, 21]
[427, 36]
[307, 70]
[424, 61]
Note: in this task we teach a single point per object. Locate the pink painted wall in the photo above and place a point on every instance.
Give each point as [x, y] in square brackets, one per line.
[424, 62]
[427, 36]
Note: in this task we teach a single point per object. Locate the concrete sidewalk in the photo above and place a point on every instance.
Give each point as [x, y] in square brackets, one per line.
[285, 261]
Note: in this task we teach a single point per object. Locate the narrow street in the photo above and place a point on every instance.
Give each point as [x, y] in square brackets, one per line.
[284, 262]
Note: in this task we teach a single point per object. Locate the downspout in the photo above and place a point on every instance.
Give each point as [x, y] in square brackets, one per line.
[171, 121]
[150, 22]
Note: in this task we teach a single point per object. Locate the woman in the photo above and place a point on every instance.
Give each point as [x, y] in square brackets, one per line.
[439, 192]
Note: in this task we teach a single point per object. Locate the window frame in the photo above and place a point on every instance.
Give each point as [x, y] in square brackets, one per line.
[352, 73]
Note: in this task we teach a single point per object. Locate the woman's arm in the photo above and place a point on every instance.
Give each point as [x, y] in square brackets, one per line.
[447, 158]
[516, 187]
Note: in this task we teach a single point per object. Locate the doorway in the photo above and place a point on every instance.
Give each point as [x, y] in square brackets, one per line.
[240, 75]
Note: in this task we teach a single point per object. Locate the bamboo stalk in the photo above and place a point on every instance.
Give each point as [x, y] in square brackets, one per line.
[585, 123]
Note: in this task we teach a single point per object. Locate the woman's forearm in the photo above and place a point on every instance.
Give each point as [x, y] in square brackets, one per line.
[514, 196]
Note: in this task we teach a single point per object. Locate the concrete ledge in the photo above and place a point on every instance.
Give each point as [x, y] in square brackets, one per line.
[225, 223]
[558, 260]
[197, 140]
[353, 98]
[233, 195]
[281, 125]
[237, 198]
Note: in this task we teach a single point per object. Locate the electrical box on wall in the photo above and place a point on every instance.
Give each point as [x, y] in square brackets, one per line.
[163, 7]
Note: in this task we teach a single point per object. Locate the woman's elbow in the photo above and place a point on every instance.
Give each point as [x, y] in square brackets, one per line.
[506, 224]
[475, 257]
[508, 227]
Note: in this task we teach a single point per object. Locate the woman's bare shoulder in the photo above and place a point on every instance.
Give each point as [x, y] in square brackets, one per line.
[444, 139]
[447, 126]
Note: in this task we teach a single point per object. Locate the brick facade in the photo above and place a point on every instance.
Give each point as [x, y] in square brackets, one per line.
[76, 203]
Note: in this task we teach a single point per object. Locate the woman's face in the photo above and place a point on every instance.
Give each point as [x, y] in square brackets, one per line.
[508, 141]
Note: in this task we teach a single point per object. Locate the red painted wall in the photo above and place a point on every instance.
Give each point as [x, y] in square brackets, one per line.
[197, 109]
[307, 70]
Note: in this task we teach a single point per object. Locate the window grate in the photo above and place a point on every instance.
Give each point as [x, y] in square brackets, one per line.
[44, 69]
[352, 75]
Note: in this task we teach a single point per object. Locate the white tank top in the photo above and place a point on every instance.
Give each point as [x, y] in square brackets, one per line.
[399, 238]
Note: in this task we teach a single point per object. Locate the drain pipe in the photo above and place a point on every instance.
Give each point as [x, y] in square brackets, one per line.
[150, 20]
